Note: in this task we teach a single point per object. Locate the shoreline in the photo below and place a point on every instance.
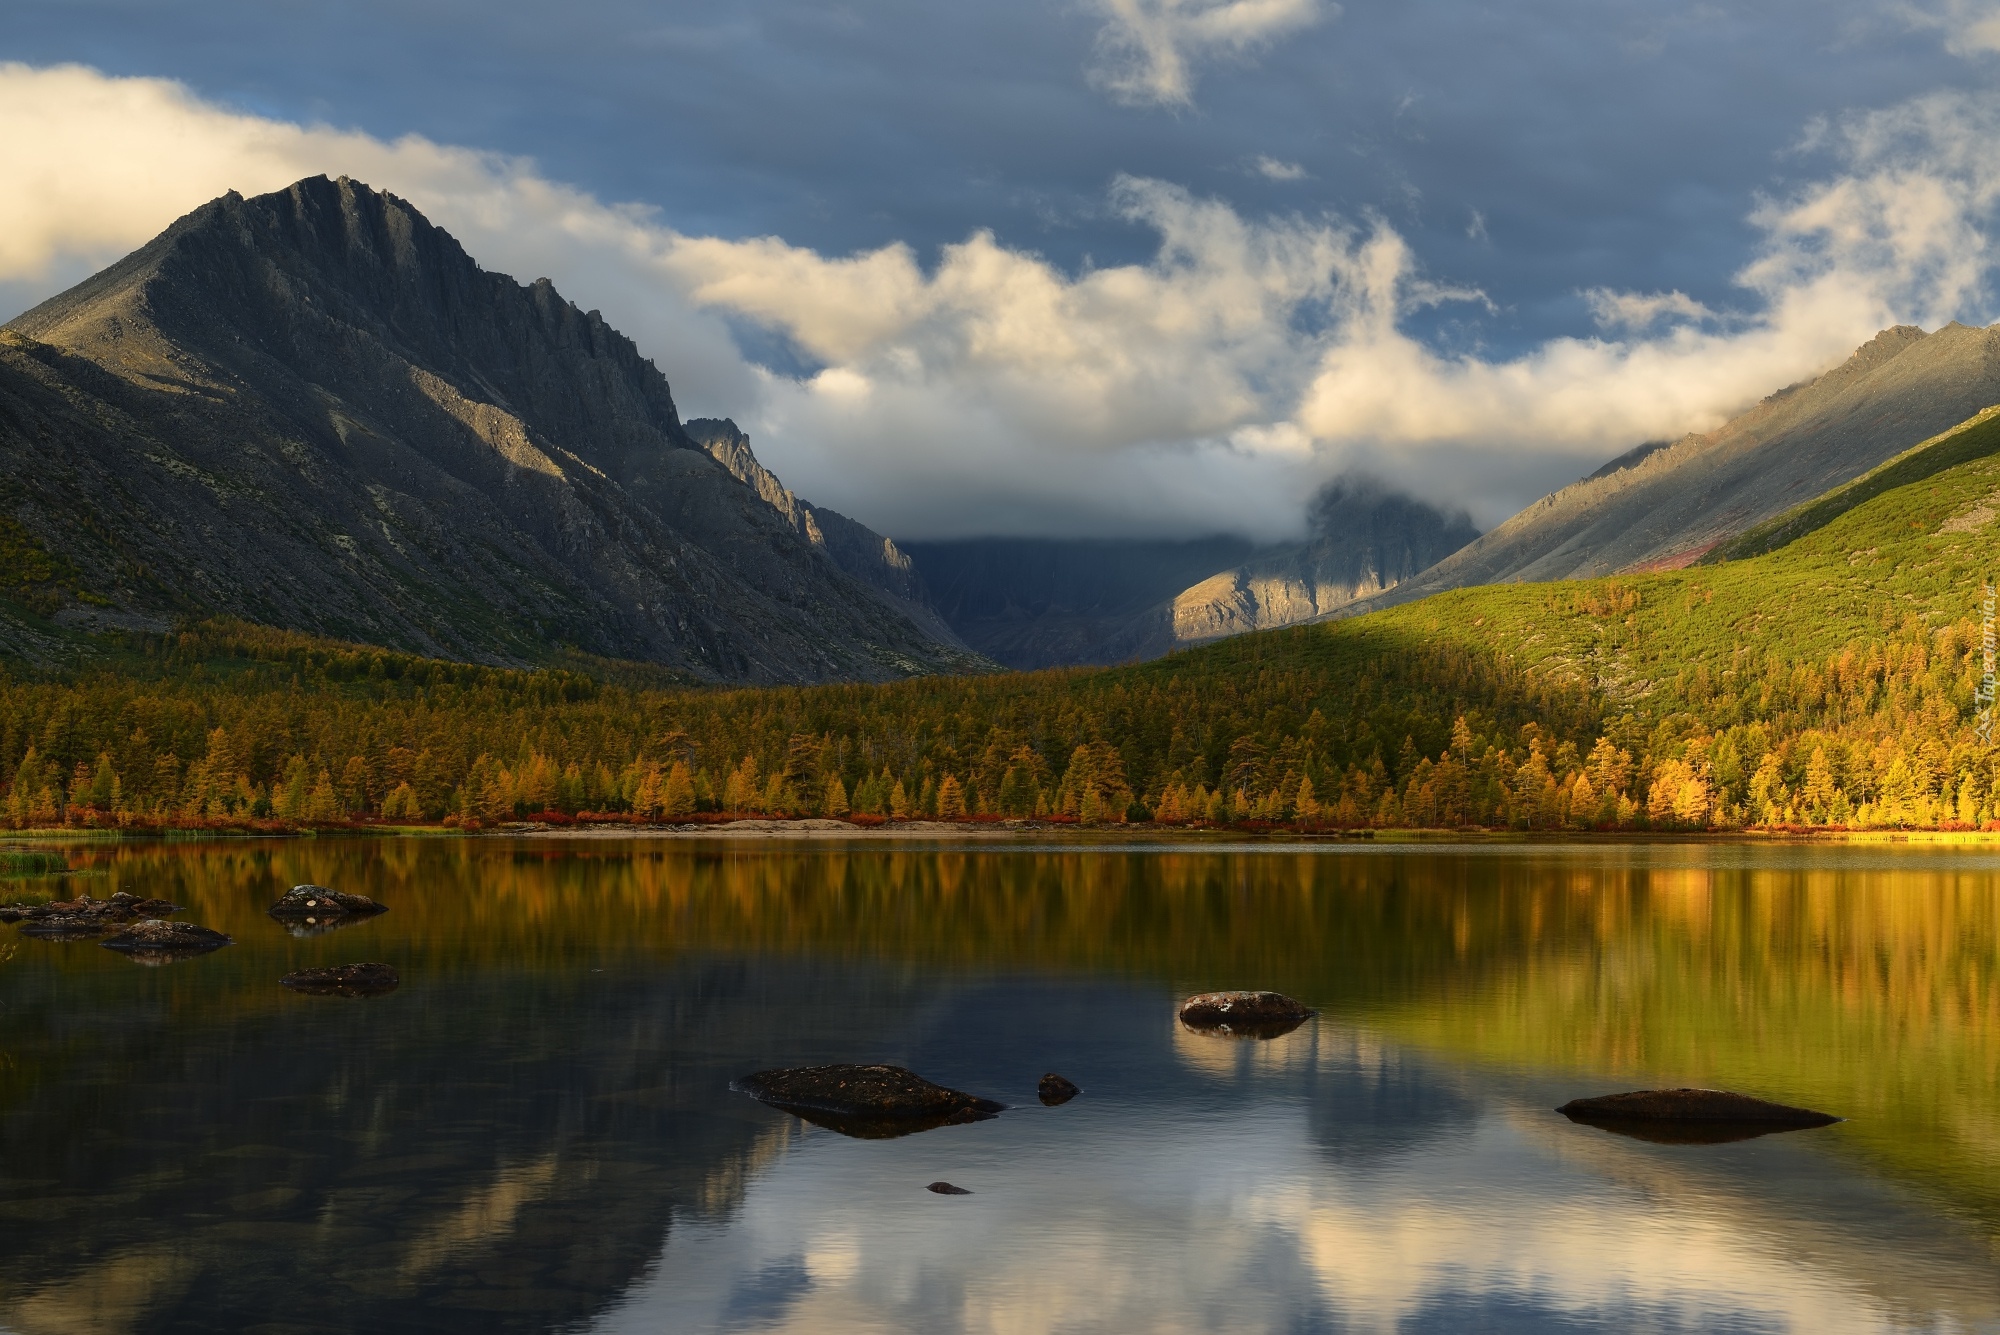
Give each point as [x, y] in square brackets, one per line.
[825, 828]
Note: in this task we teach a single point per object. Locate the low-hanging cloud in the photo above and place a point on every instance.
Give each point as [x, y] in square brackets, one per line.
[986, 390]
[1147, 48]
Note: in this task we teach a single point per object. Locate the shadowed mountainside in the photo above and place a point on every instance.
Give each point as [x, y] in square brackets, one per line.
[314, 410]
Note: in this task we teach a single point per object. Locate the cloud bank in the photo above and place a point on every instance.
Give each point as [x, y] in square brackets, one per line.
[985, 390]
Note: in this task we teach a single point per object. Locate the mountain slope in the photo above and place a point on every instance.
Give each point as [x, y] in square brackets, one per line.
[1365, 541]
[1660, 507]
[312, 409]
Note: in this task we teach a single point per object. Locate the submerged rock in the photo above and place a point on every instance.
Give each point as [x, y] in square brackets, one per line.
[344, 980]
[1056, 1091]
[313, 905]
[1244, 1014]
[1691, 1116]
[867, 1102]
[947, 1189]
[153, 941]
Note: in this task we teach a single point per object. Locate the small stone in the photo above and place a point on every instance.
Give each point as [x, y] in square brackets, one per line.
[947, 1189]
[315, 903]
[1056, 1091]
[1244, 1014]
[344, 980]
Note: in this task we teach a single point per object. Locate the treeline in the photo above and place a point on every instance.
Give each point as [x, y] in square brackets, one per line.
[1356, 724]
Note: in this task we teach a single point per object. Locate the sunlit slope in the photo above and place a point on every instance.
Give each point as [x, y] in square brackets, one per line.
[1857, 575]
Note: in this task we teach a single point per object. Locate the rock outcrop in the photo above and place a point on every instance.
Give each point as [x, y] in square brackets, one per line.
[313, 410]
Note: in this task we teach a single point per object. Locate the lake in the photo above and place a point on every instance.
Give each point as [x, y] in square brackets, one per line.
[535, 1132]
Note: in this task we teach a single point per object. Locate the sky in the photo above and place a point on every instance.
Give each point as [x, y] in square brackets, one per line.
[1097, 267]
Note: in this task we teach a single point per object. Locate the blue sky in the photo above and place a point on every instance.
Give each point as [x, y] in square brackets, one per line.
[1552, 174]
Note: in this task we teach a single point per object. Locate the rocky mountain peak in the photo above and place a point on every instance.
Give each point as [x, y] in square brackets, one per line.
[314, 409]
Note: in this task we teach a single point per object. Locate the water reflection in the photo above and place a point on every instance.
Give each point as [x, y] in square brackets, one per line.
[536, 1130]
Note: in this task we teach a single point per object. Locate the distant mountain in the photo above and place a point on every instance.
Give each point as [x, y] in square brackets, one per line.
[1364, 540]
[313, 410]
[1664, 506]
[1032, 602]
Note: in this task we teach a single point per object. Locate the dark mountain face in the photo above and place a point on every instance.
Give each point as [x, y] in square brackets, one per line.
[313, 410]
[1032, 603]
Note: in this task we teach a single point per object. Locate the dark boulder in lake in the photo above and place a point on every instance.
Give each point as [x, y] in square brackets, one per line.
[866, 1102]
[1244, 1014]
[947, 1189]
[344, 980]
[1691, 1116]
[315, 904]
[1056, 1091]
[153, 941]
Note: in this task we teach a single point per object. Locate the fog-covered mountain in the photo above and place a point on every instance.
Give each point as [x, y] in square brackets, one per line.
[1030, 603]
[312, 409]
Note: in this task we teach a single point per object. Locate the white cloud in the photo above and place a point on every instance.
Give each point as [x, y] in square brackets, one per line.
[1970, 27]
[1640, 311]
[1272, 169]
[986, 390]
[1146, 47]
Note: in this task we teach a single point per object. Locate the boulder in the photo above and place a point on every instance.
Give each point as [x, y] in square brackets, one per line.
[947, 1189]
[315, 904]
[84, 916]
[155, 941]
[1056, 1091]
[1690, 1116]
[1243, 1014]
[867, 1102]
[344, 980]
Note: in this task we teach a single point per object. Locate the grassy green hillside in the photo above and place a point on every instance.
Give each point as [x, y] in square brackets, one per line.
[1830, 681]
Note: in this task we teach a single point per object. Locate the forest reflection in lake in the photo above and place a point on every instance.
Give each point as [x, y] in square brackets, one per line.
[535, 1131]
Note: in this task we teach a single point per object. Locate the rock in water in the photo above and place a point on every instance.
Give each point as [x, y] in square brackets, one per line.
[317, 904]
[1244, 1014]
[344, 980]
[867, 1102]
[1055, 1091]
[84, 916]
[947, 1189]
[1690, 1116]
[153, 941]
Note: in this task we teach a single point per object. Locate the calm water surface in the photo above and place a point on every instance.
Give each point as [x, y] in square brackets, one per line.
[535, 1133]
